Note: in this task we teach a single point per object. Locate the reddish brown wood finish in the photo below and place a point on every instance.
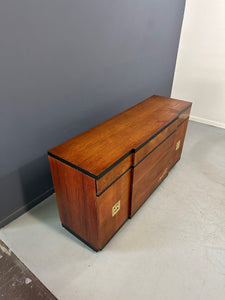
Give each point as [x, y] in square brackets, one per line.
[123, 159]
[179, 136]
[109, 224]
[153, 143]
[80, 210]
[76, 199]
[98, 148]
[113, 174]
[150, 172]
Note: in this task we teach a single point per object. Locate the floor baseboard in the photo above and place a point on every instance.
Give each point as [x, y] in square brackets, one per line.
[26, 207]
[207, 121]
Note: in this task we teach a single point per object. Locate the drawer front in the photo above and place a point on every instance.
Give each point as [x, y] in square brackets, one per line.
[152, 144]
[113, 208]
[150, 172]
[105, 181]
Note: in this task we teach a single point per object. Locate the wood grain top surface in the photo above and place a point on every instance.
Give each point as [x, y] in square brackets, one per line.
[98, 148]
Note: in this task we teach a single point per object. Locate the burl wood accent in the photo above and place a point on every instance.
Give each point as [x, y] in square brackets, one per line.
[121, 160]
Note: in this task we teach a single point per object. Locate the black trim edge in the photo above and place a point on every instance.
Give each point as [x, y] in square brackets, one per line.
[121, 158]
[108, 186]
[115, 232]
[66, 162]
[88, 244]
[158, 132]
[80, 238]
[183, 121]
[154, 149]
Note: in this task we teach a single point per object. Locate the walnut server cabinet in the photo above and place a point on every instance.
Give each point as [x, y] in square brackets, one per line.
[102, 176]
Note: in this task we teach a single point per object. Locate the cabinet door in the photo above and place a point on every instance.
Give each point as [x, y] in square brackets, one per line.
[179, 141]
[113, 208]
[150, 172]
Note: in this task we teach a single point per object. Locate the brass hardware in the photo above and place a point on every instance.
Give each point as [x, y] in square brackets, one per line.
[115, 208]
[178, 145]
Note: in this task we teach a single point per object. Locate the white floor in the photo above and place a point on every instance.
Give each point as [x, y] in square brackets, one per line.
[173, 248]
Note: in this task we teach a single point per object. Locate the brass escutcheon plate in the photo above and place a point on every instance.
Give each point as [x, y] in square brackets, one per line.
[115, 208]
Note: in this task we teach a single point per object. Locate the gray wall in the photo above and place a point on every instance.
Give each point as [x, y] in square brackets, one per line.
[68, 65]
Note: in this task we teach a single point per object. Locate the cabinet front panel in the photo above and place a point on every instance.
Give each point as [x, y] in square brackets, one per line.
[150, 172]
[113, 174]
[153, 143]
[113, 208]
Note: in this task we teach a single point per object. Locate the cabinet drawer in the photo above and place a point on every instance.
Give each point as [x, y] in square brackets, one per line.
[154, 142]
[104, 182]
[150, 172]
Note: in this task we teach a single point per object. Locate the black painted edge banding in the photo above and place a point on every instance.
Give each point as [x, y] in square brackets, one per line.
[108, 186]
[97, 177]
[114, 164]
[88, 244]
[158, 132]
[132, 167]
[153, 149]
[66, 162]
[115, 232]
[183, 121]
[80, 238]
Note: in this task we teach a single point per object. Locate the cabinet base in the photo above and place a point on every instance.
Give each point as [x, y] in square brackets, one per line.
[80, 238]
[88, 244]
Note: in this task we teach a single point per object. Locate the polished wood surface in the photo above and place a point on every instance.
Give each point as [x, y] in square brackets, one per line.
[150, 172]
[119, 161]
[154, 142]
[84, 213]
[179, 138]
[108, 224]
[99, 148]
[113, 174]
[76, 199]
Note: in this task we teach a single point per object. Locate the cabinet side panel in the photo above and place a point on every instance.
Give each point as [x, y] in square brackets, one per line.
[76, 199]
[179, 141]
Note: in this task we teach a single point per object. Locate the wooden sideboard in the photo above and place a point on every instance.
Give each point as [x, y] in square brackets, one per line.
[102, 176]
